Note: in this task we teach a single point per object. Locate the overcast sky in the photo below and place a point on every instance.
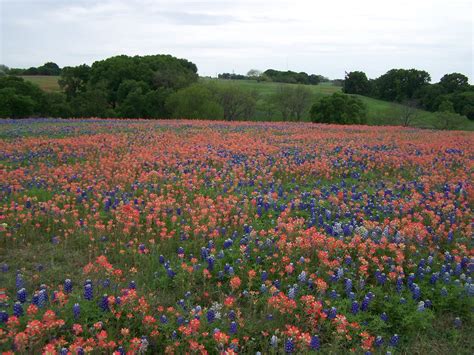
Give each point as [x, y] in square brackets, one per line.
[322, 37]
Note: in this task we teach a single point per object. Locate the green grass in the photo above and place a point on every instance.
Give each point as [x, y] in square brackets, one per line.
[46, 83]
[379, 112]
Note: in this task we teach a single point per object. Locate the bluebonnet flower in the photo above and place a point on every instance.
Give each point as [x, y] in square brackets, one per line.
[332, 313]
[292, 293]
[64, 351]
[42, 298]
[21, 295]
[121, 350]
[444, 292]
[88, 292]
[348, 286]
[20, 283]
[76, 310]
[302, 276]
[67, 286]
[289, 346]
[231, 315]
[5, 267]
[314, 343]
[355, 307]
[378, 341]
[394, 340]
[210, 263]
[17, 309]
[399, 285]
[384, 317]
[104, 303]
[233, 327]
[211, 315]
[421, 306]
[132, 285]
[3, 317]
[416, 292]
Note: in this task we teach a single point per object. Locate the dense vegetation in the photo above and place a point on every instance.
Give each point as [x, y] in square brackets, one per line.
[413, 87]
[163, 86]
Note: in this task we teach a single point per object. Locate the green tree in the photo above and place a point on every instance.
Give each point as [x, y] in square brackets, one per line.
[14, 105]
[463, 103]
[56, 105]
[400, 84]
[195, 101]
[292, 101]
[74, 80]
[339, 108]
[26, 92]
[447, 119]
[356, 82]
[91, 103]
[236, 102]
[454, 82]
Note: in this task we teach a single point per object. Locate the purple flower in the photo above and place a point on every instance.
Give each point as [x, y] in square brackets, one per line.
[17, 309]
[67, 286]
[76, 310]
[314, 343]
[394, 340]
[88, 292]
[233, 327]
[289, 346]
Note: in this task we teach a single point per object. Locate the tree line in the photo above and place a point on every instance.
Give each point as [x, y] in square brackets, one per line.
[413, 88]
[277, 76]
[48, 69]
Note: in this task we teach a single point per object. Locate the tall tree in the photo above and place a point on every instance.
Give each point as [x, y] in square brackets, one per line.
[356, 82]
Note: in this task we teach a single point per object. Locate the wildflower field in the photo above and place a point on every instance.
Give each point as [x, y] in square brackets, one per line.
[133, 236]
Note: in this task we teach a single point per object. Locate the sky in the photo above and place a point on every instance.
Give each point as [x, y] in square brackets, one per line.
[318, 37]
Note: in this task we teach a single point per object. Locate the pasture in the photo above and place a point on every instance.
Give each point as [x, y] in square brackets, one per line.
[128, 236]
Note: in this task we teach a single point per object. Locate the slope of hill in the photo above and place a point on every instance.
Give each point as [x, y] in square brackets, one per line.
[45, 82]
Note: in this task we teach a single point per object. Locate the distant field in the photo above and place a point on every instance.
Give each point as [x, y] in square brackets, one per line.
[47, 83]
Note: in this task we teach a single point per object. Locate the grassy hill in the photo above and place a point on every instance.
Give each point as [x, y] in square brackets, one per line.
[47, 83]
[379, 112]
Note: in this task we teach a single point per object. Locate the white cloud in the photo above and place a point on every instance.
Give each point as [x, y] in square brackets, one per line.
[318, 37]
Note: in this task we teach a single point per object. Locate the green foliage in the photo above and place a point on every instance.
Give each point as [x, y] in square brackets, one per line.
[49, 69]
[195, 101]
[292, 101]
[400, 84]
[356, 82]
[454, 82]
[74, 80]
[19, 98]
[292, 77]
[91, 103]
[14, 105]
[236, 102]
[463, 103]
[339, 108]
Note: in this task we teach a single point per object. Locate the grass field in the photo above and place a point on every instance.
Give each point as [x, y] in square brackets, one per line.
[47, 83]
[379, 112]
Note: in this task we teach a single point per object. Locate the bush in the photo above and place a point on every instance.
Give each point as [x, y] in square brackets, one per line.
[339, 108]
[195, 101]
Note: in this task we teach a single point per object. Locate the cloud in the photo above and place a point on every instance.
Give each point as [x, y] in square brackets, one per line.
[318, 37]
